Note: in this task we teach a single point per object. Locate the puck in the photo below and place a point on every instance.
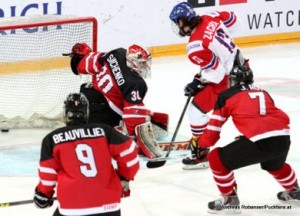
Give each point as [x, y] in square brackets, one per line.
[5, 130]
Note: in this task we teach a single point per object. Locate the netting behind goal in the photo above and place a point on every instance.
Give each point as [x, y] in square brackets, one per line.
[34, 76]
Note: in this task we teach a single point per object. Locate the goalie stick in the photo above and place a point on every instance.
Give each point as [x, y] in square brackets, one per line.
[165, 158]
[155, 164]
[23, 202]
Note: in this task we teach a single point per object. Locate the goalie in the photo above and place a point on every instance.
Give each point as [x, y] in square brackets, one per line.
[119, 76]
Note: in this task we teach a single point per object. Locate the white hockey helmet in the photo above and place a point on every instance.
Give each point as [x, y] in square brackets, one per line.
[139, 59]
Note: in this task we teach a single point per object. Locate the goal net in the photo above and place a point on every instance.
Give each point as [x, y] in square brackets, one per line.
[34, 76]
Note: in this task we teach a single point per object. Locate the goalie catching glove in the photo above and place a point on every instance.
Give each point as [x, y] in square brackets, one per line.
[81, 49]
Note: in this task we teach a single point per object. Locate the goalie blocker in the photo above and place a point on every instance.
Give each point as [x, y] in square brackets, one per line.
[145, 139]
[147, 134]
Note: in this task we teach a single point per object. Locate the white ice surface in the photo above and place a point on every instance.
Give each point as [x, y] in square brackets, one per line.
[169, 190]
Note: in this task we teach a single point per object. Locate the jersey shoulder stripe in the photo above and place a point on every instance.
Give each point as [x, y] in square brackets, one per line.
[225, 95]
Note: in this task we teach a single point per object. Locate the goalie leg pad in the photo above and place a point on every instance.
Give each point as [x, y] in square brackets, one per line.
[160, 123]
[146, 141]
[158, 132]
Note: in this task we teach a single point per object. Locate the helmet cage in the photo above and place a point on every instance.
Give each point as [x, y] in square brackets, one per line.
[186, 27]
[240, 75]
[76, 109]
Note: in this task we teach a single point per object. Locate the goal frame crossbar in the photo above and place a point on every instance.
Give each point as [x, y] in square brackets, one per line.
[59, 22]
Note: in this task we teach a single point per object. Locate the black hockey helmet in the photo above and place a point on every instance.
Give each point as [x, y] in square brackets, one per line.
[76, 109]
[240, 75]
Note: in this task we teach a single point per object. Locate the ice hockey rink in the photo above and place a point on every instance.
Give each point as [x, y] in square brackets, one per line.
[170, 190]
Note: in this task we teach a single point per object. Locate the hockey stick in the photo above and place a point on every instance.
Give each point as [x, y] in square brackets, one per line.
[155, 164]
[8, 204]
[164, 158]
[67, 54]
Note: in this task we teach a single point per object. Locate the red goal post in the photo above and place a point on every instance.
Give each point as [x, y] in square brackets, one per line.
[34, 76]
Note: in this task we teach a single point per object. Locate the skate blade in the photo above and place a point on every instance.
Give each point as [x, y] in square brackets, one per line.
[178, 156]
[202, 165]
[291, 202]
[237, 210]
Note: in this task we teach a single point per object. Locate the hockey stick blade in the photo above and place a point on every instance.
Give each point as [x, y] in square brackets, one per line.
[164, 158]
[8, 204]
[156, 164]
[67, 54]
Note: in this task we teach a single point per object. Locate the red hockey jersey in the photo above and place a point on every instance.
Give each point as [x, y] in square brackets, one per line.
[253, 113]
[78, 160]
[123, 88]
[211, 47]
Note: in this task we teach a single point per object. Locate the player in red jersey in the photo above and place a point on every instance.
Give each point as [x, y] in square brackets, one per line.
[99, 109]
[119, 76]
[211, 47]
[77, 159]
[265, 139]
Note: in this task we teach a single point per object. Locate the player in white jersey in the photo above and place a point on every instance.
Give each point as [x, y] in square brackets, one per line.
[211, 47]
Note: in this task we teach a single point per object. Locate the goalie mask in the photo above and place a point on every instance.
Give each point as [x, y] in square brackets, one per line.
[76, 109]
[240, 75]
[139, 59]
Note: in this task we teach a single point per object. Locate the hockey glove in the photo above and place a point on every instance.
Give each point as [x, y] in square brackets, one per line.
[41, 200]
[193, 88]
[81, 49]
[197, 151]
[201, 152]
[125, 186]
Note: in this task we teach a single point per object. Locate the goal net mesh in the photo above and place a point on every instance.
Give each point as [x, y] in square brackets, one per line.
[34, 76]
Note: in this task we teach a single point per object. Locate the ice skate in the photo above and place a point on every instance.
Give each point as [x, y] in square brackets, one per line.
[225, 205]
[293, 195]
[194, 162]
